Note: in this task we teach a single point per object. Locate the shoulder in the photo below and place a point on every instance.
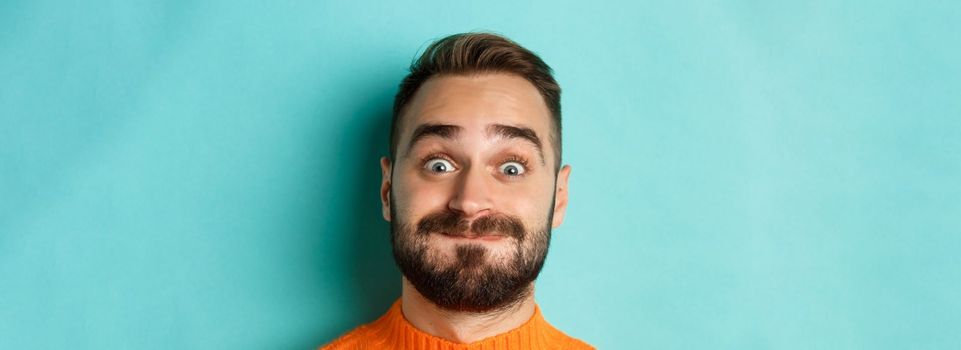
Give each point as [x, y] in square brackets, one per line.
[374, 335]
[577, 344]
[564, 341]
[561, 340]
[355, 339]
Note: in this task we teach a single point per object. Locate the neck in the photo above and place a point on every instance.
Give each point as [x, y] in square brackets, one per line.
[461, 327]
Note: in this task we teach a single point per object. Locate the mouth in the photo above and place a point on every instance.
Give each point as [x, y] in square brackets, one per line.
[474, 237]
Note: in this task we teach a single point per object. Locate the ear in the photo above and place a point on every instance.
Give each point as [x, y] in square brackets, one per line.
[560, 196]
[385, 187]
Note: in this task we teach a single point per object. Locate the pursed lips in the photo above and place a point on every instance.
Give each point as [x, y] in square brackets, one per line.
[474, 236]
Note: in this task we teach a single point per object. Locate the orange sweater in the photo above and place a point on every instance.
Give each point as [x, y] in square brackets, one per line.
[392, 331]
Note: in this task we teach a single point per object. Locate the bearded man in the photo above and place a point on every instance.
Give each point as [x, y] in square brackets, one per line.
[472, 187]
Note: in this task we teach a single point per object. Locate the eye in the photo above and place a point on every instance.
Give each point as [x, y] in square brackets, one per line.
[512, 169]
[439, 165]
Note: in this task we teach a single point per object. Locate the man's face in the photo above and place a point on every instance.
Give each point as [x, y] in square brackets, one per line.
[473, 194]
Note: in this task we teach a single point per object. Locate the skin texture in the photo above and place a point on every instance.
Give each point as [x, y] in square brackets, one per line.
[476, 181]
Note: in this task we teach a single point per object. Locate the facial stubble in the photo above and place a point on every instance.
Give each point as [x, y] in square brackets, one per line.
[472, 281]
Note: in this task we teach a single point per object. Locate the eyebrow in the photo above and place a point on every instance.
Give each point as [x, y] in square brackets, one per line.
[445, 131]
[450, 132]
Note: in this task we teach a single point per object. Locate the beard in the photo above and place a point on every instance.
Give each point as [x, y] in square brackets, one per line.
[471, 281]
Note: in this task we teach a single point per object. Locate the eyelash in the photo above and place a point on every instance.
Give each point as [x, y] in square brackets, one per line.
[519, 160]
[512, 158]
[431, 156]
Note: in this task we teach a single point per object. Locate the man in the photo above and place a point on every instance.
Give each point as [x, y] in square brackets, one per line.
[472, 188]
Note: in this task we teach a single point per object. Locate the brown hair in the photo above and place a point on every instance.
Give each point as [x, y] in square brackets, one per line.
[475, 53]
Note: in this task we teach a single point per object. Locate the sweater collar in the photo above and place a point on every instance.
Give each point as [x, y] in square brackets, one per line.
[395, 328]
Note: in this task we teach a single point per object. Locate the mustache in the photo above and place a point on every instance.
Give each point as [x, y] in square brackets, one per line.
[455, 224]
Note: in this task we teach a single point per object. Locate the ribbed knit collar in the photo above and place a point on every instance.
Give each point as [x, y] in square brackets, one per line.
[395, 330]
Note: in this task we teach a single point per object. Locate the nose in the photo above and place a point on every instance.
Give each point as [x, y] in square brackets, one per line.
[472, 194]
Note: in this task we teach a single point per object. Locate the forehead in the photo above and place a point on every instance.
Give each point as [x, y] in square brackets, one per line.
[475, 101]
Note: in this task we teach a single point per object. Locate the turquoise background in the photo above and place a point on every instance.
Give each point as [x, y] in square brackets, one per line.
[746, 174]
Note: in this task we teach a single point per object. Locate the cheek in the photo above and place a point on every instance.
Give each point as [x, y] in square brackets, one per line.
[535, 214]
[531, 203]
[415, 198]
